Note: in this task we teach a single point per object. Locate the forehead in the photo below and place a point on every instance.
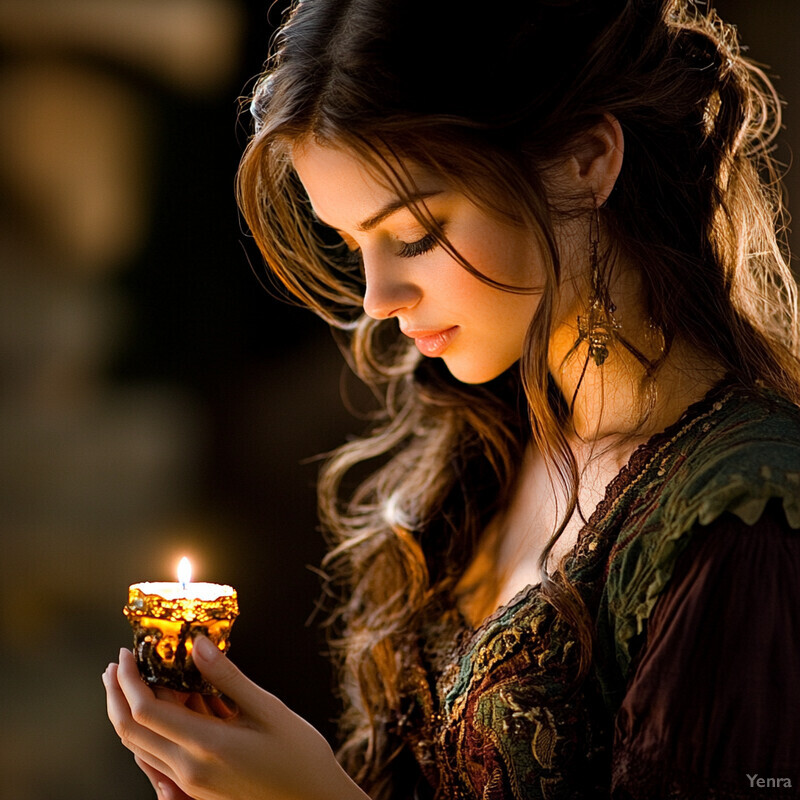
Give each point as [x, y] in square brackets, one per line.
[344, 189]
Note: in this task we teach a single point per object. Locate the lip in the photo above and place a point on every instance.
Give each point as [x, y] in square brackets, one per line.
[432, 343]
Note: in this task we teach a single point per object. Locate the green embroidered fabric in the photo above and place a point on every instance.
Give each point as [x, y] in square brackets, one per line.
[735, 457]
[490, 713]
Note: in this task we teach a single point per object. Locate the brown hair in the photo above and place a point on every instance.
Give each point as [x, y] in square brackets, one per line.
[696, 205]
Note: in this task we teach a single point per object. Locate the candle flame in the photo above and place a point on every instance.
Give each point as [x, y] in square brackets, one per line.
[185, 571]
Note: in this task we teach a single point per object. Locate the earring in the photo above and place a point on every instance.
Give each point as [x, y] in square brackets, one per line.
[599, 326]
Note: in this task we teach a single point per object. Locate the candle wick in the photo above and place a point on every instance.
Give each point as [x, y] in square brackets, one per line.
[183, 587]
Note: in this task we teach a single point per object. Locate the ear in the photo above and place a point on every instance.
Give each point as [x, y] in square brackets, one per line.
[596, 159]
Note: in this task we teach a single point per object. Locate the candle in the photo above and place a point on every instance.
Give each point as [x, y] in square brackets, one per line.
[167, 616]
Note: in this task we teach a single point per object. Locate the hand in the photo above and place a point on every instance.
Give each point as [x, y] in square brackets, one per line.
[206, 751]
[167, 789]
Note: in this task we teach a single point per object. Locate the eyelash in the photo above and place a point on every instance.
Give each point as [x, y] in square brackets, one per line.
[406, 250]
[418, 248]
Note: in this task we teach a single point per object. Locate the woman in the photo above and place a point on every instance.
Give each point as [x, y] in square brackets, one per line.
[574, 570]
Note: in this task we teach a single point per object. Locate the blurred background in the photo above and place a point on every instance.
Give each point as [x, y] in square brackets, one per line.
[155, 401]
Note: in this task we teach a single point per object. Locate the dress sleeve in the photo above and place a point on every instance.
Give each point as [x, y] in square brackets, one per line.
[712, 708]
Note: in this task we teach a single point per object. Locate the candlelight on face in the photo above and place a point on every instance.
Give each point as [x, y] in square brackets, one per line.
[166, 617]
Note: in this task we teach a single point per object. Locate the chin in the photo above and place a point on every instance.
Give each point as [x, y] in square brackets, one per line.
[475, 373]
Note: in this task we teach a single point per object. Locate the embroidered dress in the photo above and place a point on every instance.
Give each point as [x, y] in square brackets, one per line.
[681, 643]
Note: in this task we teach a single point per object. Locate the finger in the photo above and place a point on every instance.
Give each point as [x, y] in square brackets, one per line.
[220, 672]
[171, 791]
[220, 708]
[211, 705]
[163, 693]
[168, 721]
[155, 765]
[156, 778]
[198, 704]
[141, 741]
[166, 788]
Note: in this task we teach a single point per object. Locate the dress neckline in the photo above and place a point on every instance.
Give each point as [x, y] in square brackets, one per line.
[711, 402]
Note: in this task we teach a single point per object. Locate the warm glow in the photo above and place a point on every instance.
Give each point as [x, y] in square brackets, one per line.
[184, 571]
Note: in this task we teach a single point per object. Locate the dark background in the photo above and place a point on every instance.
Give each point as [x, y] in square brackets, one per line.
[155, 401]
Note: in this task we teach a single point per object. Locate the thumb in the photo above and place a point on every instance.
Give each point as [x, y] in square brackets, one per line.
[221, 673]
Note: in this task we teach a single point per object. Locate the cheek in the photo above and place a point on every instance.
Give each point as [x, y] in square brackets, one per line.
[503, 254]
[503, 315]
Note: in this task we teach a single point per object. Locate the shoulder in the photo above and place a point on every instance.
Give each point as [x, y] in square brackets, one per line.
[746, 452]
[728, 458]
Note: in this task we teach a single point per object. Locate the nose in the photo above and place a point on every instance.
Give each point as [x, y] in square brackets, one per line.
[389, 290]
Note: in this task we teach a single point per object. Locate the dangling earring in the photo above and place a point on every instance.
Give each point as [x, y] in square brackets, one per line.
[599, 326]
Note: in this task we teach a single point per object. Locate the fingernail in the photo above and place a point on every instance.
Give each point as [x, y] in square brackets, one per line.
[204, 648]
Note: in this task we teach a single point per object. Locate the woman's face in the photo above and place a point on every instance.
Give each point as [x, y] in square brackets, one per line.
[476, 329]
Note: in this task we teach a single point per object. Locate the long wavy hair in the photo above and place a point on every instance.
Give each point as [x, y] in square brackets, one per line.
[484, 104]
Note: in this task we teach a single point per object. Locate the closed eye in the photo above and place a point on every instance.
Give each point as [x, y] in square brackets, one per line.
[423, 245]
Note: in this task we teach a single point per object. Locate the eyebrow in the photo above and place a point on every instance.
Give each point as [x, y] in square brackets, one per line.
[386, 211]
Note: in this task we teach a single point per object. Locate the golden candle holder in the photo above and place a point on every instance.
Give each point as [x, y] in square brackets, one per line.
[166, 617]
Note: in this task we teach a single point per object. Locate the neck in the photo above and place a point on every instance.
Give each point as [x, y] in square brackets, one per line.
[619, 398]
